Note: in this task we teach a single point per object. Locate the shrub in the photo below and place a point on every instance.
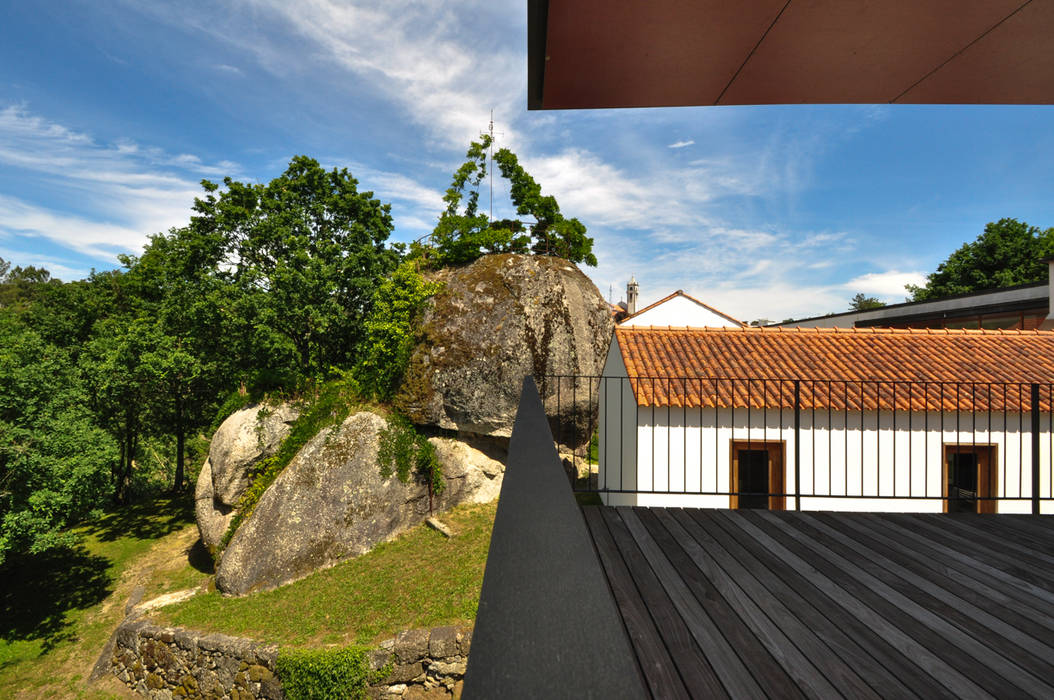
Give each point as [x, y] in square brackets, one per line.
[324, 674]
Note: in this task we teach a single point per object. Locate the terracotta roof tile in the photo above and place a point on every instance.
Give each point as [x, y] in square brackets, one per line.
[869, 367]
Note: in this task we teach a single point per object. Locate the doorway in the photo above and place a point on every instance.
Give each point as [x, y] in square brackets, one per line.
[756, 475]
[970, 479]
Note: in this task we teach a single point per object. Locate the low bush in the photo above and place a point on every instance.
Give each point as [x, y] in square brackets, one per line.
[324, 674]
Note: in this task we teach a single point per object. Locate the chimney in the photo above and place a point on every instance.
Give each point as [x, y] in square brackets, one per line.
[632, 289]
[1048, 322]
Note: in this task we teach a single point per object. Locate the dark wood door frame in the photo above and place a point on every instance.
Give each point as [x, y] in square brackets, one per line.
[987, 474]
[777, 471]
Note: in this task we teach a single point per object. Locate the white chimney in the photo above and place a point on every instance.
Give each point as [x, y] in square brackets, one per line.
[632, 289]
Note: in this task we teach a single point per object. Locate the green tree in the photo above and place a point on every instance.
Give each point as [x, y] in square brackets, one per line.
[862, 302]
[186, 363]
[306, 251]
[464, 234]
[54, 462]
[390, 330]
[1008, 253]
[117, 388]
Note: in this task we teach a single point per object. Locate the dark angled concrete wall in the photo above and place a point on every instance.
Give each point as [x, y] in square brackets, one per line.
[547, 625]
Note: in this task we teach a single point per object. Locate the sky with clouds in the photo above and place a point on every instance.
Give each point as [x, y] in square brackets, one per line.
[112, 112]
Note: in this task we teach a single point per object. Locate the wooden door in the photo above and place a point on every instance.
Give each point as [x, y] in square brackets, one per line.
[970, 479]
[756, 474]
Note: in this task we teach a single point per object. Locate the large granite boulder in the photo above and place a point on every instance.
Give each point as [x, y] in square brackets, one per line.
[331, 503]
[245, 438]
[496, 320]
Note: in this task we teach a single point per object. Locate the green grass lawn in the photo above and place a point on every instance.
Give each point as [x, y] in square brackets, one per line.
[58, 609]
[420, 579]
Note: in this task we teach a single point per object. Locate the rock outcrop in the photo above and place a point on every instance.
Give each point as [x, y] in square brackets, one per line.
[496, 320]
[331, 503]
[245, 438]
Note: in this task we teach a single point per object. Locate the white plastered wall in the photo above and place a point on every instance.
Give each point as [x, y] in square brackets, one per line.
[883, 455]
[680, 311]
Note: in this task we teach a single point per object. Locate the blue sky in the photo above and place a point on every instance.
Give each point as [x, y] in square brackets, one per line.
[112, 112]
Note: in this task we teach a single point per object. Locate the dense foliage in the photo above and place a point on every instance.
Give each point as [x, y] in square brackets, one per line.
[108, 381]
[322, 674]
[1008, 253]
[390, 330]
[464, 234]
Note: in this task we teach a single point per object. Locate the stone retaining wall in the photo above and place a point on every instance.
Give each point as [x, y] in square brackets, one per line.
[426, 663]
[166, 663]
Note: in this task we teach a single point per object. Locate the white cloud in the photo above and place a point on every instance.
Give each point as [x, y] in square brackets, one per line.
[445, 65]
[888, 286]
[102, 198]
[680, 144]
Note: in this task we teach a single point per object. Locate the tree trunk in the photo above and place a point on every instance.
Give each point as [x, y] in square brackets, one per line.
[177, 482]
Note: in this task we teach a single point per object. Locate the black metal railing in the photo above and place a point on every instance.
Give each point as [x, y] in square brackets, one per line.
[814, 443]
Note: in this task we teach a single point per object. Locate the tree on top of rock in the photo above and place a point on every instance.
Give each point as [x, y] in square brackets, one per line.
[463, 236]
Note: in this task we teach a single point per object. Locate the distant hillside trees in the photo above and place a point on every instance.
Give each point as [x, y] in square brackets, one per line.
[862, 302]
[464, 233]
[1008, 253]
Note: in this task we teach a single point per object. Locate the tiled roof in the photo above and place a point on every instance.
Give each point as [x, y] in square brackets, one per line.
[869, 367]
[680, 293]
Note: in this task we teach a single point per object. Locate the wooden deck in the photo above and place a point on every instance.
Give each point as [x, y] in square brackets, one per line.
[753, 603]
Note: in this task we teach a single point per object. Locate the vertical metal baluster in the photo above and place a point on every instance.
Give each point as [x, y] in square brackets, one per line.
[926, 440]
[797, 444]
[894, 439]
[830, 408]
[1035, 449]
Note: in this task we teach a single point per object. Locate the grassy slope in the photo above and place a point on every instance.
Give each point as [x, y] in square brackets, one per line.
[420, 579]
[57, 611]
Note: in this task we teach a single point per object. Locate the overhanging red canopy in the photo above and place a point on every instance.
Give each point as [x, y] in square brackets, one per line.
[652, 53]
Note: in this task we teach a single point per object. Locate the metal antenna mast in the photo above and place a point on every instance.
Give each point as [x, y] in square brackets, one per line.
[490, 172]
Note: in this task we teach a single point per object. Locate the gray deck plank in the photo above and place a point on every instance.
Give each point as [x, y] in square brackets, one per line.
[663, 642]
[996, 538]
[978, 622]
[885, 667]
[805, 656]
[971, 590]
[709, 633]
[837, 604]
[986, 666]
[929, 659]
[971, 547]
[970, 564]
[993, 582]
[655, 662]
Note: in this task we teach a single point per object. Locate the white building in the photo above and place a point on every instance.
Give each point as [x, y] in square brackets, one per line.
[678, 309]
[886, 420]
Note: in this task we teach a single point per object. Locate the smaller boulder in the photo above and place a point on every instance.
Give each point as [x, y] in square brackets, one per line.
[244, 439]
[332, 503]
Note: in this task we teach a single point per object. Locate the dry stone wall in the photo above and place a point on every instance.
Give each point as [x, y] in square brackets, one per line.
[168, 663]
[164, 663]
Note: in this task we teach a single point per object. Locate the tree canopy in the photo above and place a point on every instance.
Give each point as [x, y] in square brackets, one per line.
[1008, 253]
[862, 302]
[464, 234]
[306, 250]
